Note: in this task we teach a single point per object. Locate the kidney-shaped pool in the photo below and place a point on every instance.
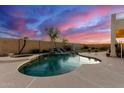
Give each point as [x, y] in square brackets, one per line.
[51, 65]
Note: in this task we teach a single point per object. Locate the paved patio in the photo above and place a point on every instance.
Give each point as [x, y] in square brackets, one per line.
[109, 73]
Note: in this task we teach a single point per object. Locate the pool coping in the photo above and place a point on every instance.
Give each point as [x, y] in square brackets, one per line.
[90, 57]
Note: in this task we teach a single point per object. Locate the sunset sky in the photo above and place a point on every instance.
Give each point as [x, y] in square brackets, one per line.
[78, 24]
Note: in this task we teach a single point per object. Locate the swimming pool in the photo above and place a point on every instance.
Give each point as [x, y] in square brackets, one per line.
[56, 64]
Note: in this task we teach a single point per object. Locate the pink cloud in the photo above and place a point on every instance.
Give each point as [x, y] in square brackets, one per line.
[19, 25]
[29, 33]
[98, 11]
[67, 26]
[85, 17]
[86, 37]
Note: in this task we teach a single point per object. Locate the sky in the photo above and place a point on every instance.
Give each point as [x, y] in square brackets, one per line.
[78, 24]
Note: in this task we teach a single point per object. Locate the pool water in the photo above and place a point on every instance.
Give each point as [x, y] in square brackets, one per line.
[51, 65]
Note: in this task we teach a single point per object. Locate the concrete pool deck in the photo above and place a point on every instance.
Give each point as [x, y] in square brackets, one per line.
[109, 73]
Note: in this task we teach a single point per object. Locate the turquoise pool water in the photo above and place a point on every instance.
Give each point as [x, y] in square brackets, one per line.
[51, 65]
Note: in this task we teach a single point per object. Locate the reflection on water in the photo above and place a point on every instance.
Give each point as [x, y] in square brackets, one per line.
[51, 65]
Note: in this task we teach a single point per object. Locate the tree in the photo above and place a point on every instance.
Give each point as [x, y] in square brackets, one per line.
[24, 44]
[64, 41]
[53, 33]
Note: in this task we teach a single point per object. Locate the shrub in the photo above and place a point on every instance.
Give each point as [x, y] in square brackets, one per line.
[68, 48]
[103, 49]
[85, 47]
[3, 55]
[34, 51]
[45, 51]
[96, 50]
[89, 50]
[93, 48]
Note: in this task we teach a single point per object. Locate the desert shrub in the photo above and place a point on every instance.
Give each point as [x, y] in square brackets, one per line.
[89, 50]
[34, 51]
[3, 55]
[103, 48]
[96, 50]
[45, 51]
[85, 47]
[93, 48]
[68, 48]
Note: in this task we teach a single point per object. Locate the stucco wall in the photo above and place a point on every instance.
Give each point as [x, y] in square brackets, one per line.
[116, 24]
[8, 45]
[12, 45]
[120, 24]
